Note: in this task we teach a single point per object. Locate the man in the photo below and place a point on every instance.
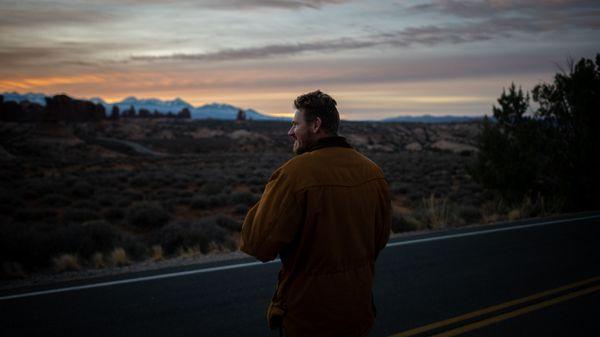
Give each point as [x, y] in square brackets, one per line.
[327, 213]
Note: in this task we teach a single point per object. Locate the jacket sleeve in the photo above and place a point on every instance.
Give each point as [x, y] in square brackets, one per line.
[274, 221]
[385, 221]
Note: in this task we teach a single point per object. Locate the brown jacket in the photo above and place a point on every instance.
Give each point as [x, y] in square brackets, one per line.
[327, 213]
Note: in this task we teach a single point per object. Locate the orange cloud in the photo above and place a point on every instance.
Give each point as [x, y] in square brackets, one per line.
[40, 82]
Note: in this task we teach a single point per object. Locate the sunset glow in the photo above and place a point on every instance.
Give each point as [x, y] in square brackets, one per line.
[377, 58]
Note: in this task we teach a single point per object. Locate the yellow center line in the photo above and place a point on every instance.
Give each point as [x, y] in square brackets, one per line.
[493, 308]
[518, 312]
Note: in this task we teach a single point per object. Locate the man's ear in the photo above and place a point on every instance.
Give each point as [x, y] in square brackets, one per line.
[316, 125]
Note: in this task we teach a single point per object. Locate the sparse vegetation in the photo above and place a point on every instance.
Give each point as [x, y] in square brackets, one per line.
[147, 215]
[108, 205]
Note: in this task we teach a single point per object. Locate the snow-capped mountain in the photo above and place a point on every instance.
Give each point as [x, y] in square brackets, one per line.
[30, 96]
[150, 104]
[208, 111]
[227, 111]
[432, 119]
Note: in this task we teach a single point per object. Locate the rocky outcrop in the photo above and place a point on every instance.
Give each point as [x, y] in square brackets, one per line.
[65, 108]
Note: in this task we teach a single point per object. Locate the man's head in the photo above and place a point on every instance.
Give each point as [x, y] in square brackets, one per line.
[316, 117]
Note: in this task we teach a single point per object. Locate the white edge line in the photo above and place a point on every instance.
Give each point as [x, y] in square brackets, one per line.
[250, 264]
[487, 231]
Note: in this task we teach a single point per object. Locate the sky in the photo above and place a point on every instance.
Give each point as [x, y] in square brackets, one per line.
[376, 58]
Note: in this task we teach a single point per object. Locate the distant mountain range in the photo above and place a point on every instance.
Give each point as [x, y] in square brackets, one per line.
[207, 111]
[432, 119]
[217, 110]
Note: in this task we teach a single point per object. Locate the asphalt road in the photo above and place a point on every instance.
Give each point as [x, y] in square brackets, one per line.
[529, 278]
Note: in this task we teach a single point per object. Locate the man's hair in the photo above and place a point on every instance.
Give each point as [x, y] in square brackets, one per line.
[319, 104]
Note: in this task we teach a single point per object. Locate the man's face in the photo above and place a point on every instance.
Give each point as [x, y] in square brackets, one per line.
[302, 132]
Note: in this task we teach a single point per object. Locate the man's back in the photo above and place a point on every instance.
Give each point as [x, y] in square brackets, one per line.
[327, 214]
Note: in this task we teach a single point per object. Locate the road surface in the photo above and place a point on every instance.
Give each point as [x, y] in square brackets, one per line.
[528, 278]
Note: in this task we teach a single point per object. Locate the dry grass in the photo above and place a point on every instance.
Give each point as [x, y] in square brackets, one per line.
[157, 253]
[98, 260]
[189, 251]
[66, 262]
[436, 211]
[13, 269]
[119, 257]
[514, 214]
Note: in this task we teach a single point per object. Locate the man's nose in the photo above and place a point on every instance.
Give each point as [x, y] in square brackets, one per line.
[291, 133]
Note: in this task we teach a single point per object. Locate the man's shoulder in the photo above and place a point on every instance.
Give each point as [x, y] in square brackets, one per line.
[314, 163]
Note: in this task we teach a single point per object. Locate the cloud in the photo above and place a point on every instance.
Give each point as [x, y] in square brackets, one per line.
[239, 4]
[265, 51]
[495, 8]
[450, 33]
[28, 15]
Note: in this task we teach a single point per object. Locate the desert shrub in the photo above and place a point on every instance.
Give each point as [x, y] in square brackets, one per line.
[34, 246]
[218, 200]
[135, 248]
[470, 214]
[226, 222]
[170, 204]
[213, 188]
[113, 214]
[197, 234]
[106, 200]
[184, 201]
[43, 186]
[141, 180]
[147, 215]
[185, 194]
[122, 201]
[66, 262]
[398, 188]
[157, 253]
[56, 200]
[178, 235]
[247, 198]
[119, 257]
[98, 260]
[200, 201]
[80, 189]
[402, 223]
[80, 215]
[98, 235]
[83, 205]
[87, 238]
[132, 195]
[149, 179]
[49, 216]
[240, 209]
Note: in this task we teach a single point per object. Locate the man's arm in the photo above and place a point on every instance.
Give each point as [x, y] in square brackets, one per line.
[273, 221]
[383, 234]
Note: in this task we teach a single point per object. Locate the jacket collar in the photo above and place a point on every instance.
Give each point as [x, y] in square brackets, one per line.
[328, 142]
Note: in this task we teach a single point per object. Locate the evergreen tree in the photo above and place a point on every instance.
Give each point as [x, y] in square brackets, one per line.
[551, 154]
[114, 113]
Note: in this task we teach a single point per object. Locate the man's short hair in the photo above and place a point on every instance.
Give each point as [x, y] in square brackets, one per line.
[319, 104]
